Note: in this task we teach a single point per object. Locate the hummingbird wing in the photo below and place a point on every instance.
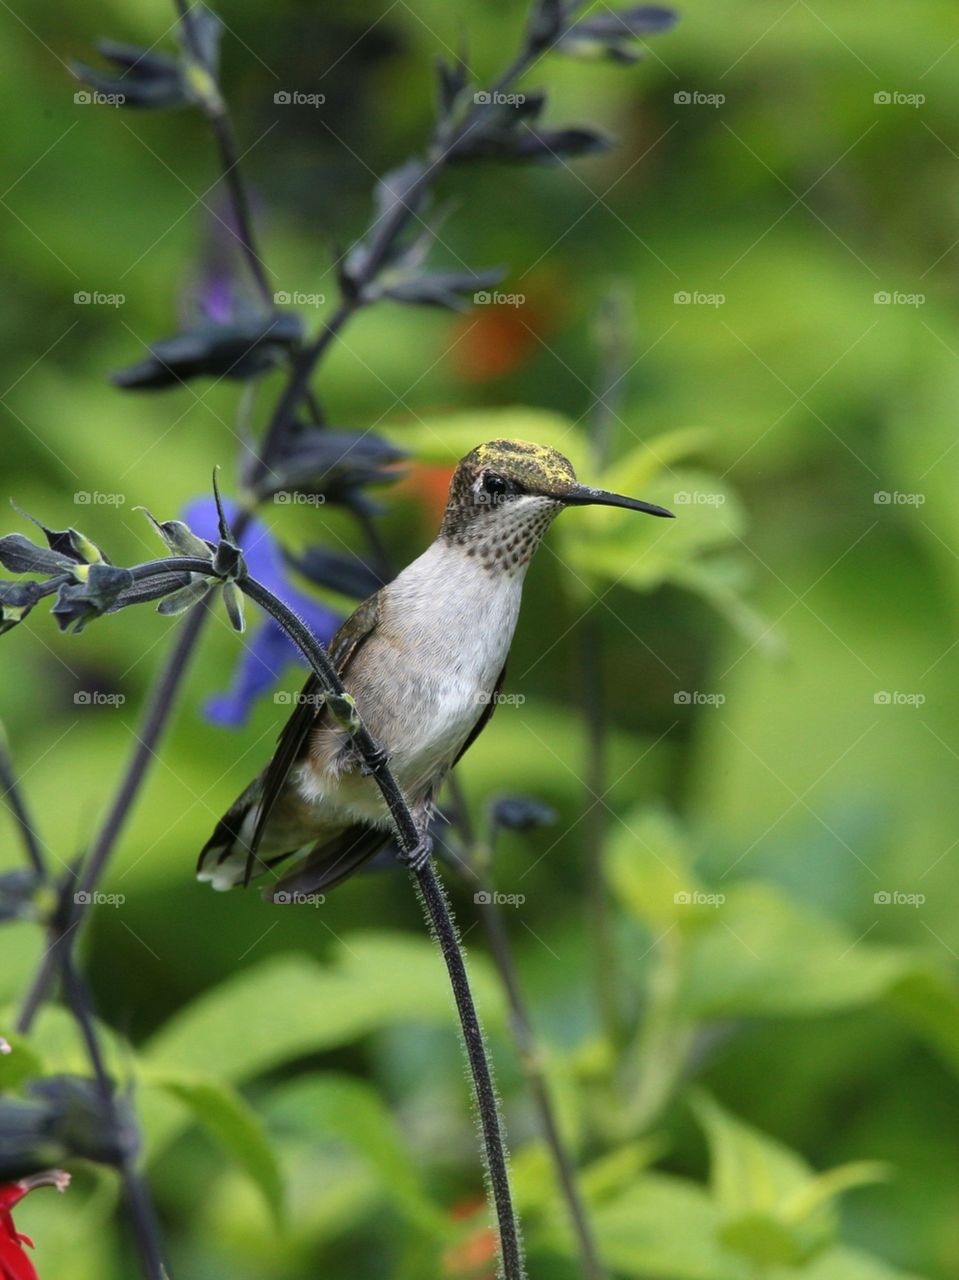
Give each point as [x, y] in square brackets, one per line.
[292, 743]
[484, 718]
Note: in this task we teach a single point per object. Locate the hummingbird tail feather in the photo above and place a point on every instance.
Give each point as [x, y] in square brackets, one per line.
[328, 863]
[224, 858]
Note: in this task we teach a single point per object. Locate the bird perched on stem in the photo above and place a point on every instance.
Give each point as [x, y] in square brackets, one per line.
[424, 658]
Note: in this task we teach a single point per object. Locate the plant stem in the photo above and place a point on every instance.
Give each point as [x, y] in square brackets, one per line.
[530, 1057]
[143, 1216]
[11, 793]
[382, 235]
[440, 919]
[159, 709]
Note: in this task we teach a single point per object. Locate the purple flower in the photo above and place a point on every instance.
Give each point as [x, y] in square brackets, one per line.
[270, 650]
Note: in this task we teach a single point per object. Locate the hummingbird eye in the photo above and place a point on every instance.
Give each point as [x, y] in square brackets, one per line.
[495, 486]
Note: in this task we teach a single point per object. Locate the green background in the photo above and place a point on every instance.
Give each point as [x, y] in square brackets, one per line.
[813, 1012]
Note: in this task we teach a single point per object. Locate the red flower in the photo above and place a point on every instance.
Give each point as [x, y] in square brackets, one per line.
[14, 1262]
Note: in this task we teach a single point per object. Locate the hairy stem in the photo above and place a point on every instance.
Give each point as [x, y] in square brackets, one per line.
[530, 1056]
[440, 919]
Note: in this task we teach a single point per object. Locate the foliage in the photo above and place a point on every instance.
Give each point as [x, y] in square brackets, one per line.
[777, 1042]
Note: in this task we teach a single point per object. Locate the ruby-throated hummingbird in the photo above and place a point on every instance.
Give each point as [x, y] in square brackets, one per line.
[425, 658]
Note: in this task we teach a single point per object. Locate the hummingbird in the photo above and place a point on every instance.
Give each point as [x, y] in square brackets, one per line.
[424, 657]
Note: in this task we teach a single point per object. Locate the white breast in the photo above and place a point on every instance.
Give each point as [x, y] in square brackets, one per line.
[422, 680]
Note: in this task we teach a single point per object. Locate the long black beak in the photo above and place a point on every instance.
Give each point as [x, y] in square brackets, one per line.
[581, 495]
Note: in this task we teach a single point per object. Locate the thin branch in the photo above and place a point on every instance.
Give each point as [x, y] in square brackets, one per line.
[14, 798]
[382, 235]
[156, 717]
[143, 1218]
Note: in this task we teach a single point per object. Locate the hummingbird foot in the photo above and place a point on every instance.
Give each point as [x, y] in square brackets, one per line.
[378, 757]
[417, 858]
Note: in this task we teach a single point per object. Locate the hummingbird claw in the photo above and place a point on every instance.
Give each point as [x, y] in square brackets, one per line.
[377, 758]
[416, 859]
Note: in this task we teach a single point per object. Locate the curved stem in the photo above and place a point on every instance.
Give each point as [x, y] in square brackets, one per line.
[440, 919]
[11, 793]
[530, 1058]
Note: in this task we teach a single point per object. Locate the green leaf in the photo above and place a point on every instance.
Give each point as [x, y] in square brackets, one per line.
[776, 1211]
[666, 1227]
[649, 865]
[227, 1116]
[23, 1062]
[350, 1113]
[768, 955]
[290, 1006]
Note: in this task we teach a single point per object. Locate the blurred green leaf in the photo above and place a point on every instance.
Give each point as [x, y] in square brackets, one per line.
[340, 1109]
[217, 1107]
[776, 1211]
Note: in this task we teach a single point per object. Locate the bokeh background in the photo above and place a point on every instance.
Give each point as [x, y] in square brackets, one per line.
[779, 229]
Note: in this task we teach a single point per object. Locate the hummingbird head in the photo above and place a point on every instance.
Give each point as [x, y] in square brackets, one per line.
[506, 493]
